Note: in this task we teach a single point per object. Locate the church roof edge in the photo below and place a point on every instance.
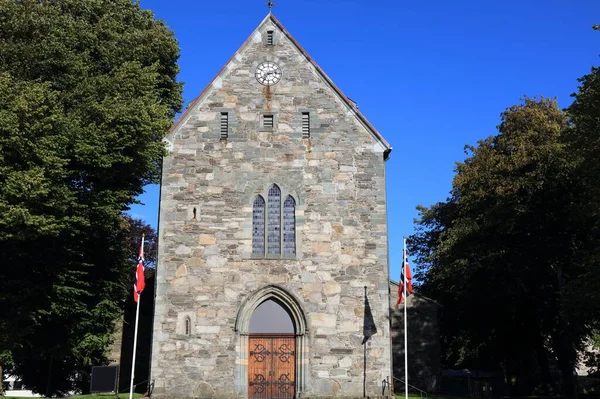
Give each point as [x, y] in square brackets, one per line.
[417, 294]
[346, 99]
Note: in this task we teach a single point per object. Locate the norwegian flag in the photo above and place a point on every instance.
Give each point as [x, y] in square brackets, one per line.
[409, 287]
[139, 283]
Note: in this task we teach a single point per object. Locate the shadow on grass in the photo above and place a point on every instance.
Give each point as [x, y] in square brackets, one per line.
[106, 396]
[91, 396]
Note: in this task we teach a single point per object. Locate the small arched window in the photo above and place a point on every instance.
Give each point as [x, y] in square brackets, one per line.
[258, 226]
[188, 326]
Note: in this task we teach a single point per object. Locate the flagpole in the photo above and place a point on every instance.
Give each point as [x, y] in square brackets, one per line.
[137, 317]
[404, 273]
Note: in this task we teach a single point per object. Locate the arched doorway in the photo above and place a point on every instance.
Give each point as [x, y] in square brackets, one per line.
[271, 333]
[272, 353]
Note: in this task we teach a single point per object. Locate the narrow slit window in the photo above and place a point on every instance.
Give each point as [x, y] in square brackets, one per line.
[258, 226]
[268, 121]
[289, 226]
[269, 38]
[188, 326]
[194, 213]
[274, 221]
[306, 124]
[224, 125]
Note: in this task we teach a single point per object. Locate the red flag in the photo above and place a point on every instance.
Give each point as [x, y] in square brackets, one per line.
[409, 287]
[140, 282]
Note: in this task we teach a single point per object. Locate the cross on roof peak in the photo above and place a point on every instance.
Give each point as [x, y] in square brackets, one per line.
[270, 4]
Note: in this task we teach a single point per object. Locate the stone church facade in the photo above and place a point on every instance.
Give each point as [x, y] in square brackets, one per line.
[272, 275]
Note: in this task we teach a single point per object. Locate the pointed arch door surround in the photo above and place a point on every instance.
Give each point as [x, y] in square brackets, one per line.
[271, 365]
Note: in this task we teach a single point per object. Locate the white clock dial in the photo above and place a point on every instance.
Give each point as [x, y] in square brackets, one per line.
[268, 73]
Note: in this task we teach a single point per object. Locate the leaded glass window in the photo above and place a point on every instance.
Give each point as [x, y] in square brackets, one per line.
[258, 226]
[289, 226]
[274, 221]
[274, 224]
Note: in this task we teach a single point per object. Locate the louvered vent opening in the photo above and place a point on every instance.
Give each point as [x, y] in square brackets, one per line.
[224, 124]
[305, 124]
[269, 38]
[268, 121]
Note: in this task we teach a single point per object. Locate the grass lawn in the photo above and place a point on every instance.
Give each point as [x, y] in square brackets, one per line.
[92, 396]
[413, 396]
[106, 396]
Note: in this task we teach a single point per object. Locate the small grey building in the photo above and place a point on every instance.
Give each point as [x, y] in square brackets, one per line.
[272, 275]
[424, 349]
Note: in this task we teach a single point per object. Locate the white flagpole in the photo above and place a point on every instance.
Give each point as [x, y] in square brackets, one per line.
[405, 330]
[137, 317]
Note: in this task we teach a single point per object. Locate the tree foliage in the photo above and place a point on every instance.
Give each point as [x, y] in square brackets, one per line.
[503, 252]
[88, 91]
[583, 141]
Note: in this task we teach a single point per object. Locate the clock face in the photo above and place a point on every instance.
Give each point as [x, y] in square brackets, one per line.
[268, 73]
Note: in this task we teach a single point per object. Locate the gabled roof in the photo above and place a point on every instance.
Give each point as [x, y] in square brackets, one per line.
[350, 103]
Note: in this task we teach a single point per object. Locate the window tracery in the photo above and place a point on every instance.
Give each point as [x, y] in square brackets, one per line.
[274, 225]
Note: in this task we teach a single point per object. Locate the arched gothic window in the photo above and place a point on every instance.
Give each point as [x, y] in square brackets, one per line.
[289, 226]
[273, 228]
[258, 226]
[274, 221]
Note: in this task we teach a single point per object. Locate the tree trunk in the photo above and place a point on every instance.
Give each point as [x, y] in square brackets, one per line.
[548, 385]
[563, 342]
[1, 380]
[48, 386]
[511, 376]
[566, 366]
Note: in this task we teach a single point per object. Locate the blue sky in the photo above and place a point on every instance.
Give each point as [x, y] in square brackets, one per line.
[430, 76]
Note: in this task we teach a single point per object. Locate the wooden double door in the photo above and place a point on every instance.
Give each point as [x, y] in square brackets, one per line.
[272, 366]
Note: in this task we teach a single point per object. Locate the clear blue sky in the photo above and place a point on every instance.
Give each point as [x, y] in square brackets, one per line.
[431, 76]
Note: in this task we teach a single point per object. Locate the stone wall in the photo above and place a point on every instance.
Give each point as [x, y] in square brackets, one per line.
[424, 351]
[206, 270]
[114, 350]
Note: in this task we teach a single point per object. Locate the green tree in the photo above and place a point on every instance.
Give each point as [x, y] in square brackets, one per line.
[137, 228]
[501, 253]
[583, 140]
[88, 91]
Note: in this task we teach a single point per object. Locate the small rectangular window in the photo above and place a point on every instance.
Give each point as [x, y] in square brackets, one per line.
[224, 125]
[306, 124]
[268, 121]
[269, 38]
